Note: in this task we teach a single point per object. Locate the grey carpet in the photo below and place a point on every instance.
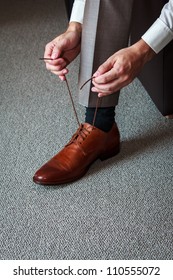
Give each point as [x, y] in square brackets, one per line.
[123, 207]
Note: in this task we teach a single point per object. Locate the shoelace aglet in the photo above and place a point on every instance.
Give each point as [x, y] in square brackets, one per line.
[45, 58]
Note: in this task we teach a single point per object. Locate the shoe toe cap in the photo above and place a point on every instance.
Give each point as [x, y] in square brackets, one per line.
[46, 175]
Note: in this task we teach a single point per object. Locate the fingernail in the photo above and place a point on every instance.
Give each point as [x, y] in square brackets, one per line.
[93, 89]
[62, 78]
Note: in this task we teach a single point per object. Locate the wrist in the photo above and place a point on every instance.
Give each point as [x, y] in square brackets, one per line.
[75, 26]
[144, 50]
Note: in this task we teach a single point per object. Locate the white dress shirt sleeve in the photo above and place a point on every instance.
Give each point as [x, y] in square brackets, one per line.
[78, 11]
[161, 32]
[157, 36]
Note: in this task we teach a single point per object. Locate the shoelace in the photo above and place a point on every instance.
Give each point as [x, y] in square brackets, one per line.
[72, 101]
[81, 132]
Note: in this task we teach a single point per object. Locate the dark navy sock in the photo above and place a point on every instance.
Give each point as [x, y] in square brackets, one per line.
[105, 117]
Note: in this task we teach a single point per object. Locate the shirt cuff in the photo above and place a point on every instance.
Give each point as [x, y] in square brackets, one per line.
[78, 11]
[158, 35]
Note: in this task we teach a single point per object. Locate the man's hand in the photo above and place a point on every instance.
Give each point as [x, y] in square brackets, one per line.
[121, 68]
[63, 50]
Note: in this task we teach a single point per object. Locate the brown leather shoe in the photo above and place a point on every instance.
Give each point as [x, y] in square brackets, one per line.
[72, 162]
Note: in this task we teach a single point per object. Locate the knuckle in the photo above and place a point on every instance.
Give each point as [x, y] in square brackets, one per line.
[121, 70]
[48, 45]
[104, 80]
[110, 89]
[127, 78]
[101, 68]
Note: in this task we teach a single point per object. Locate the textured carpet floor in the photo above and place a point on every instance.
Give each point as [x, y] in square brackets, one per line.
[123, 207]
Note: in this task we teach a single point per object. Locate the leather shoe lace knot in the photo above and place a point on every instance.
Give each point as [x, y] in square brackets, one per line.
[80, 135]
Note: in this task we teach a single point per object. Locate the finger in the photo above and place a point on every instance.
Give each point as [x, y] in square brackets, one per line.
[106, 77]
[52, 50]
[102, 91]
[62, 78]
[60, 73]
[110, 87]
[56, 52]
[105, 67]
[48, 50]
[56, 67]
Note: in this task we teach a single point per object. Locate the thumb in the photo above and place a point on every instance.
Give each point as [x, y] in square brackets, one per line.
[57, 50]
[56, 53]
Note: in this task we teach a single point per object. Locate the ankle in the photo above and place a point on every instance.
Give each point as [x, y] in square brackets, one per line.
[104, 120]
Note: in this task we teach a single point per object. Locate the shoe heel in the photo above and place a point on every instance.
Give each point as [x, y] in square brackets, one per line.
[110, 153]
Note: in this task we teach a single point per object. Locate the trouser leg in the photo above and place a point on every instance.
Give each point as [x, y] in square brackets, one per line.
[106, 29]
